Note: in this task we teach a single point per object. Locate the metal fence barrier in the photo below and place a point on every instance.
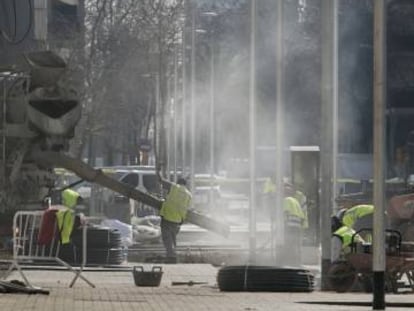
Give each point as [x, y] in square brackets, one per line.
[28, 249]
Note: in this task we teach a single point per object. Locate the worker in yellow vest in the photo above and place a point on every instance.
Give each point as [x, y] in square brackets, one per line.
[342, 239]
[294, 220]
[173, 212]
[303, 202]
[359, 217]
[66, 216]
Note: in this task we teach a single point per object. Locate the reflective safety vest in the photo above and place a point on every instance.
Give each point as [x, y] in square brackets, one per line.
[175, 206]
[70, 198]
[293, 211]
[345, 234]
[66, 220]
[351, 215]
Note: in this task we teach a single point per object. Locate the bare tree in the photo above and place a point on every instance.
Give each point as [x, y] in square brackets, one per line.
[124, 46]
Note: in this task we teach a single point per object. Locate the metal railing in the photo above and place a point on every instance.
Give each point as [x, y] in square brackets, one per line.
[28, 249]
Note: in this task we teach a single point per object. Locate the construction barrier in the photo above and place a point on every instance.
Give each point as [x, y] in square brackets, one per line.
[30, 245]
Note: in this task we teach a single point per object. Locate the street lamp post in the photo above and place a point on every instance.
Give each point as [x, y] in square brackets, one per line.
[156, 119]
[155, 79]
[211, 121]
[193, 104]
[169, 127]
[192, 101]
[277, 223]
[175, 111]
[184, 101]
[252, 134]
[211, 47]
[379, 152]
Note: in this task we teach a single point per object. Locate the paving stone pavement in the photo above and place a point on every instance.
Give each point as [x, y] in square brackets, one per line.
[115, 290]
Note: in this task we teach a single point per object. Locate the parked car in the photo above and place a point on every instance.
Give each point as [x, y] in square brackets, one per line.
[114, 205]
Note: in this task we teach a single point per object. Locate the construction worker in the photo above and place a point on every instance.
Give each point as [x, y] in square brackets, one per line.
[66, 216]
[269, 197]
[294, 220]
[342, 239]
[303, 202]
[173, 213]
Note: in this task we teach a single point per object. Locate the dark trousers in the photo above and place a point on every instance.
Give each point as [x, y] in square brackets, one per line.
[169, 231]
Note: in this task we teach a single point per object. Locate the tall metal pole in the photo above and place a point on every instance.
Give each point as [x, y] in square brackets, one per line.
[183, 104]
[175, 111]
[3, 133]
[277, 223]
[252, 133]
[327, 136]
[156, 121]
[379, 153]
[168, 127]
[192, 99]
[334, 102]
[212, 121]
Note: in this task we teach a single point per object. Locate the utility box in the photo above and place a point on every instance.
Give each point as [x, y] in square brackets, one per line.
[305, 162]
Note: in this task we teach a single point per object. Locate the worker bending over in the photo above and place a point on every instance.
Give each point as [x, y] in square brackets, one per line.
[342, 239]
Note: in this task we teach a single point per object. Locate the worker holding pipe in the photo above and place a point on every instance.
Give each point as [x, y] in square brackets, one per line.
[173, 213]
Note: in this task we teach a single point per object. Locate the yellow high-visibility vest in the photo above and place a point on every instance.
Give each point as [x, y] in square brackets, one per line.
[294, 212]
[356, 212]
[175, 206]
[345, 234]
[66, 220]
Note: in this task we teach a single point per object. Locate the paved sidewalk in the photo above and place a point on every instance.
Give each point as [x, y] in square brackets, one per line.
[115, 290]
